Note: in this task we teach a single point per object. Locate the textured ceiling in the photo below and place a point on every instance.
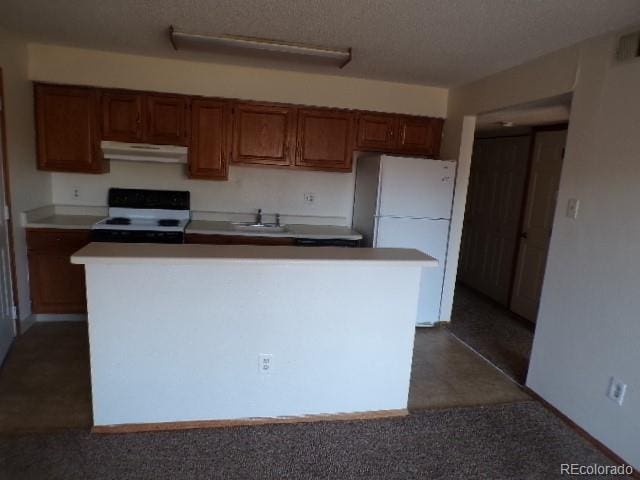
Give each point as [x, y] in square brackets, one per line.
[433, 42]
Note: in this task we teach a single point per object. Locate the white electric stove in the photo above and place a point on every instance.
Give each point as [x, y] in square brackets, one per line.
[144, 216]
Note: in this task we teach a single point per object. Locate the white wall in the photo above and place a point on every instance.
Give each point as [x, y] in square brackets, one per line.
[588, 327]
[249, 188]
[30, 188]
[194, 333]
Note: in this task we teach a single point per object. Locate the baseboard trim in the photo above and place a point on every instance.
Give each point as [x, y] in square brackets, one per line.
[59, 317]
[26, 323]
[187, 425]
[582, 432]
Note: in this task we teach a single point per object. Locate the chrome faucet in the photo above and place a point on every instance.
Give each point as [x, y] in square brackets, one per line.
[259, 217]
[277, 219]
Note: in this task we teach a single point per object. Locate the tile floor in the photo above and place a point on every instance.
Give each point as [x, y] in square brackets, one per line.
[446, 373]
[45, 383]
[493, 331]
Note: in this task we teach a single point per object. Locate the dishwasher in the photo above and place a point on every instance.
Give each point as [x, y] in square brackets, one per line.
[326, 242]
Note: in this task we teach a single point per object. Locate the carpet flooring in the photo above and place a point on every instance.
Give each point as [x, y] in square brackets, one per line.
[512, 441]
[492, 331]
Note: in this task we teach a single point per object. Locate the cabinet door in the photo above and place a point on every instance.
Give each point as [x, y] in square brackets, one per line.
[166, 119]
[325, 139]
[420, 135]
[67, 129]
[377, 132]
[263, 134]
[210, 139]
[122, 116]
[57, 286]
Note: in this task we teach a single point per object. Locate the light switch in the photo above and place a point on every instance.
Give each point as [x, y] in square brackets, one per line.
[572, 208]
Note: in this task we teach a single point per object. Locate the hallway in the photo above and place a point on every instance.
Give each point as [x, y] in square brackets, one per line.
[494, 332]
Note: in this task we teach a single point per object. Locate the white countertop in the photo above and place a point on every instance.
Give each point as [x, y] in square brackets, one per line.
[296, 231]
[65, 221]
[184, 254]
[205, 227]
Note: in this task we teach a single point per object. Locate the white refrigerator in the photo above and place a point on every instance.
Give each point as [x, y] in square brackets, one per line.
[406, 202]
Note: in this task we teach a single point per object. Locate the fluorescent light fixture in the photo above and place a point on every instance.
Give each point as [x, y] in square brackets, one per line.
[183, 40]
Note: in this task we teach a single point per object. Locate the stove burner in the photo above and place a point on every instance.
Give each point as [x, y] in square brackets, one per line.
[118, 221]
[168, 222]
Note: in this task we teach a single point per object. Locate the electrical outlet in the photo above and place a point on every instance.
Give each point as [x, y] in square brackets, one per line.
[616, 391]
[76, 192]
[572, 208]
[309, 198]
[265, 363]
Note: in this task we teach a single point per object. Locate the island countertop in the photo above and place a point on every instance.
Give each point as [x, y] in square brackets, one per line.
[185, 254]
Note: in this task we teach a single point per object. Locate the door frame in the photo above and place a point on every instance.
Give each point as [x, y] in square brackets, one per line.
[7, 200]
[534, 132]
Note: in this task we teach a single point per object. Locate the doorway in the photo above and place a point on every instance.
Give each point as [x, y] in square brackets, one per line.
[8, 328]
[511, 201]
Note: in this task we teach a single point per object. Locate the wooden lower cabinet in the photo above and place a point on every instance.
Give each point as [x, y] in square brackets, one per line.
[57, 286]
[207, 239]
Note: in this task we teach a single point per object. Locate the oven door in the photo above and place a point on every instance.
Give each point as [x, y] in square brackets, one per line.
[136, 236]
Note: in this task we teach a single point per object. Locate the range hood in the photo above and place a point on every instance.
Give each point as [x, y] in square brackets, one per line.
[143, 152]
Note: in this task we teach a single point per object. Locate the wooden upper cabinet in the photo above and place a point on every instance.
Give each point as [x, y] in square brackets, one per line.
[420, 135]
[71, 122]
[121, 116]
[167, 119]
[325, 139]
[67, 129]
[210, 139]
[377, 132]
[149, 118]
[263, 134]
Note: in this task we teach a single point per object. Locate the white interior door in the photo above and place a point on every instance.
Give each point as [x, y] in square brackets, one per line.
[544, 179]
[416, 187]
[430, 237]
[7, 324]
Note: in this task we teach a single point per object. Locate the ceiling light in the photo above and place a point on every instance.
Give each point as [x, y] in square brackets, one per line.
[265, 47]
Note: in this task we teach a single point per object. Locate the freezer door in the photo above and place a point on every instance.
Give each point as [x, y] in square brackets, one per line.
[416, 187]
[430, 237]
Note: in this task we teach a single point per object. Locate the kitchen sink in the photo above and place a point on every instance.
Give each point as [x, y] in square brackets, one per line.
[259, 227]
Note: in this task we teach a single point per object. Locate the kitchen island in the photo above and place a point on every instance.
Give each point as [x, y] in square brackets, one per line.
[201, 335]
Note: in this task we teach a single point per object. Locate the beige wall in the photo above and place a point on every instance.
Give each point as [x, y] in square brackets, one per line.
[91, 67]
[588, 328]
[249, 188]
[29, 187]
